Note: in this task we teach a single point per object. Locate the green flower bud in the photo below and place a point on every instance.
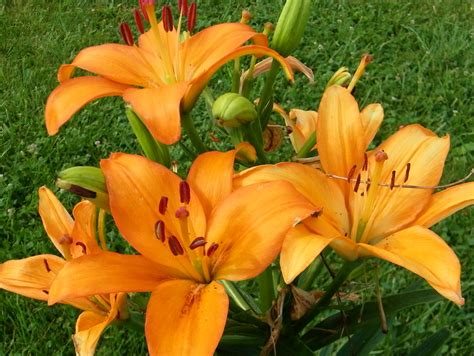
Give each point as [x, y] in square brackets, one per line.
[341, 77]
[233, 110]
[87, 182]
[290, 27]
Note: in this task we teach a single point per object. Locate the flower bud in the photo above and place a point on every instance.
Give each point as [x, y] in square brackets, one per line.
[233, 110]
[87, 182]
[341, 77]
[290, 27]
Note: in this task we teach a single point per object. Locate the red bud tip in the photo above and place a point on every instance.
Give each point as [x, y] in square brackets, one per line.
[184, 192]
[175, 246]
[212, 249]
[163, 205]
[126, 33]
[160, 230]
[138, 21]
[192, 17]
[183, 7]
[197, 242]
[167, 18]
[182, 212]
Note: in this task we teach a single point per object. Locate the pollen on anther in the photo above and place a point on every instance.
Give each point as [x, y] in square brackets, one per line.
[163, 205]
[197, 242]
[357, 183]
[212, 249]
[160, 230]
[175, 246]
[407, 172]
[392, 180]
[184, 192]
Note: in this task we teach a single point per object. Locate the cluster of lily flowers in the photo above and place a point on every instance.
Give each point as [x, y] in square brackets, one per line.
[198, 235]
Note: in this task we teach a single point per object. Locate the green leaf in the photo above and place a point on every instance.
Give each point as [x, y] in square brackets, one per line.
[330, 329]
[363, 341]
[431, 344]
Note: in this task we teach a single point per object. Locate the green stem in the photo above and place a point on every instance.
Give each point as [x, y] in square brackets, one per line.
[266, 288]
[254, 135]
[188, 125]
[236, 76]
[233, 292]
[265, 104]
[307, 146]
[378, 295]
[332, 289]
[136, 321]
[308, 277]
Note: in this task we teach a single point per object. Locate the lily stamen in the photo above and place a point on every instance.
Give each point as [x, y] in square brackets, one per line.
[184, 192]
[175, 246]
[212, 249]
[138, 21]
[407, 172]
[351, 173]
[392, 181]
[46, 265]
[163, 205]
[160, 231]
[197, 242]
[126, 33]
[192, 17]
[357, 183]
[83, 246]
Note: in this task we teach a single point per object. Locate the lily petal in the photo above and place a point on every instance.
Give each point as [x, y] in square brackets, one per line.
[159, 109]
[311, 183]
[201, 79]
[371, 117]
[56, 221]
[304, 124]
[300, 248]
[423, 252]
[119, 63]
[185, 318]
[105, 273]
[73, 94]
[445, 203]
[136, 186]
[250, 231]
[32, 276]
[83, 234]
[426, 153]
[340, 134]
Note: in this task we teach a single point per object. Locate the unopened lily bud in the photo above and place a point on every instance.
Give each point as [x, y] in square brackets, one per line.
[246, 17]
[341, 77]
[233, 110]
[87, 182]
[291, 25]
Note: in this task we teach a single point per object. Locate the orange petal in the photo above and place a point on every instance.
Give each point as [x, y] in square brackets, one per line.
[311, 183]
[83, 234]
[305, 123]
[423, 252]
[56, 221]
[210, 177]
[340, 134]
[73, 94]
[159, 109]
[299, 249]
[136, 186]
[116, 62]
[32, 276]
[371, 117]
[202, 77]
[90, 326]
[107, 272]
[185, 318]
[426, 153]
[249, 226]
[446, 203]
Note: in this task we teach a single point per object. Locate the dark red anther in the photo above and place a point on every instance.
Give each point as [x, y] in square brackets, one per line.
[175, 246]
[83, 246]
[163, 205]
[392, 181]
[289, 130]
[407, 172]
[138, 21]
[183, 7]
[45, 291]
[46, 265]
[351, 173]
[184, 192]
[167, 18]
[197, 242]
[212, 249]
[142, 4]
[126, 33]
[368, 185]
[356, 186]
[160, 230]
[182, 212]
[366, 162]
[192, 16]
[317, 213]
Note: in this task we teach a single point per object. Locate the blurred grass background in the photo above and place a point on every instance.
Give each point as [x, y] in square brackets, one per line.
[422, 72]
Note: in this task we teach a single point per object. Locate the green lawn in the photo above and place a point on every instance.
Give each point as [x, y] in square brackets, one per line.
[422, 72]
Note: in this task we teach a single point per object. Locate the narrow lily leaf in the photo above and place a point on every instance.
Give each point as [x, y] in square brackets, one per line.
[331, 328]
[152, 149]
[363, 341]
[432, 343]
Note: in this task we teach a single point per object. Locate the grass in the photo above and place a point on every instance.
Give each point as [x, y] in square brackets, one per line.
[422, 73]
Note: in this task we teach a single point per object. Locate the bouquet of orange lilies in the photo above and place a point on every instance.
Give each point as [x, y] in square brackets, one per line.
[232, 252]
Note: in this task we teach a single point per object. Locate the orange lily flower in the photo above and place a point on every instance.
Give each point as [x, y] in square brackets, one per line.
[190, 235]
[372, 204]
[160, 77]
[33, 276]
